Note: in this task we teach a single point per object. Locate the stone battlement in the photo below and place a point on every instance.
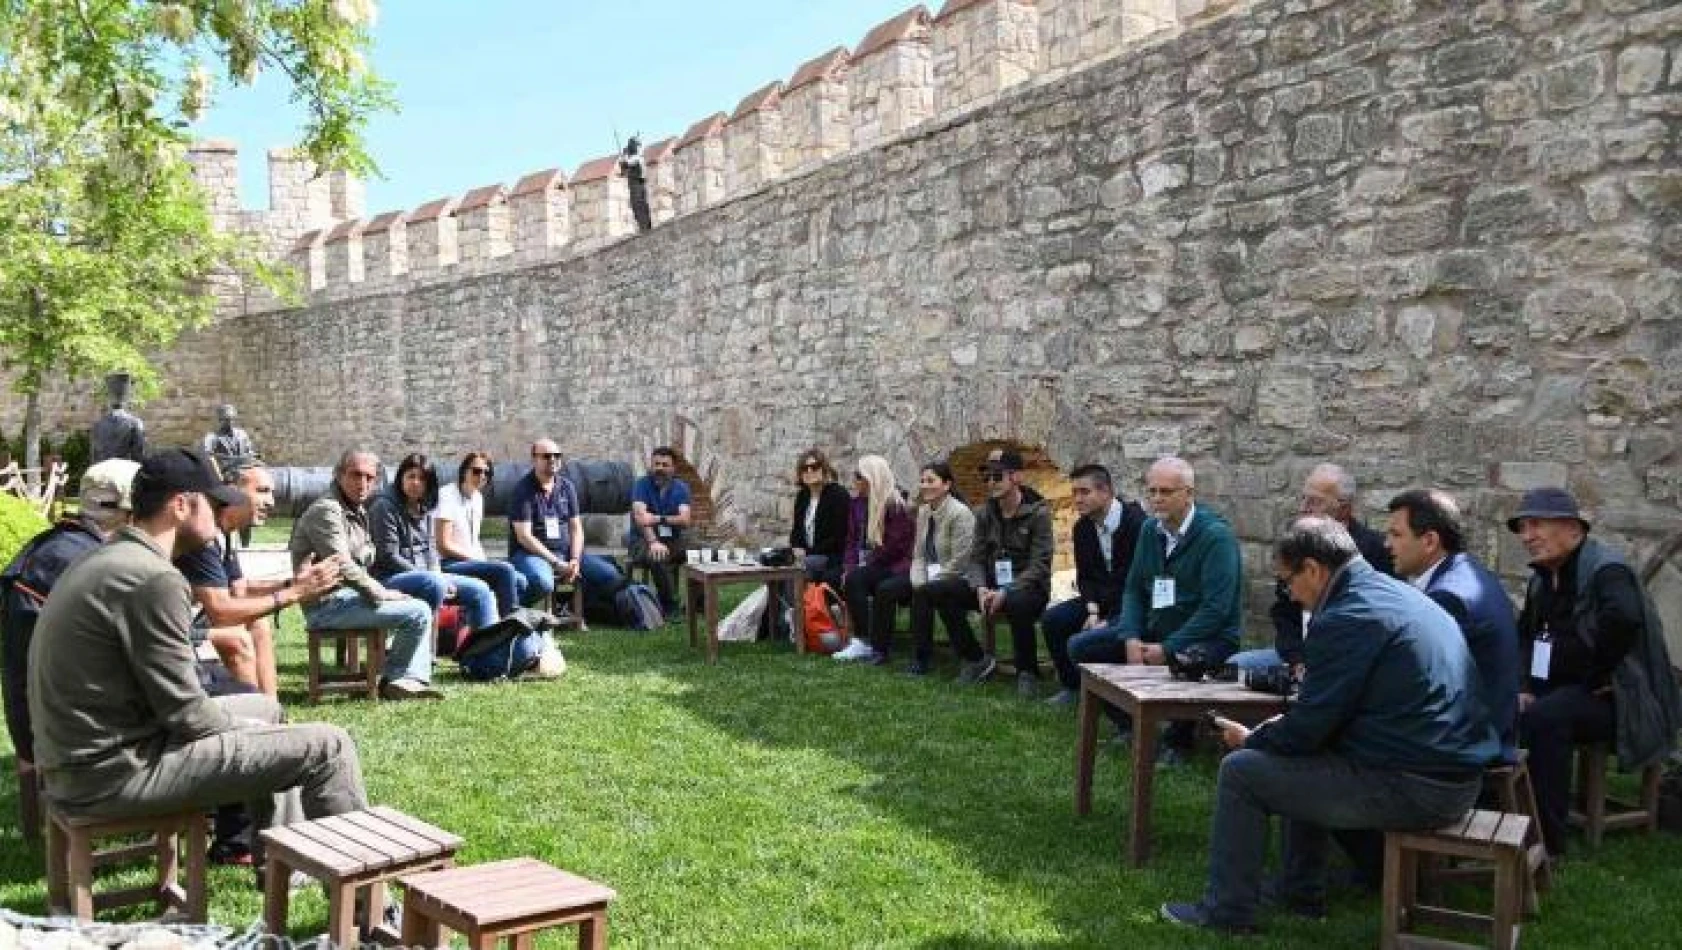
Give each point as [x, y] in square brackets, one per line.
[910, 70]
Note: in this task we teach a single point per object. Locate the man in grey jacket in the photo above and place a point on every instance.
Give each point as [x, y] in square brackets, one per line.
[1011, 562]
[122, 725]
[336, 525]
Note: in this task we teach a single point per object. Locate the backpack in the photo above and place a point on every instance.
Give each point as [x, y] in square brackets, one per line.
[824, 613]
[503, 650]
[452, 629]
[636, 607]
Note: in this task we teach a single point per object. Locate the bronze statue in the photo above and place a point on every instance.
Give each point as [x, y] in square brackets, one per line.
[119, 434]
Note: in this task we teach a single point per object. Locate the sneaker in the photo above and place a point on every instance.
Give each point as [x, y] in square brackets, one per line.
[1196, 915]
[917, 668]
[977, 671]
[1027, 686]
[877, 658]
[856, 650]
[408, 688]
[1064, 697]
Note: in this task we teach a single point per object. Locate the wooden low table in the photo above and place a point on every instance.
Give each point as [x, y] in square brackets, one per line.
[510, 899]
[702, 581]
[353, 852]
[1151, 697]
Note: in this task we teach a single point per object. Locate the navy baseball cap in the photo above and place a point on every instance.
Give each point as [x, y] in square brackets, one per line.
[184, 470]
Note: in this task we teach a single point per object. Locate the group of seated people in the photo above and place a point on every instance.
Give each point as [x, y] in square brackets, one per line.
[1408, 686]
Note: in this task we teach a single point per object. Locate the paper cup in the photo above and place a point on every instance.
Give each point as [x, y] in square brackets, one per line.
[742, 556]
[694, 555]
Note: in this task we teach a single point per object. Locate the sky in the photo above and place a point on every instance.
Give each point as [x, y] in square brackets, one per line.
[490, 90]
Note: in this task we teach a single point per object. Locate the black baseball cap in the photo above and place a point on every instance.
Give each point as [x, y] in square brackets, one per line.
[1009, 460]
[182, 470]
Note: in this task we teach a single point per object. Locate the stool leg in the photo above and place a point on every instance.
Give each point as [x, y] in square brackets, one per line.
[198, 895]
[376, 661]
[1508, 867]
[420, 930]
[58, 868]
[277, 895]
[341, 915]
[315, 667]
[1391, 924]
[520, 941]
[592, 932]
[79, 873]
[1650, 778]
[1592, 763]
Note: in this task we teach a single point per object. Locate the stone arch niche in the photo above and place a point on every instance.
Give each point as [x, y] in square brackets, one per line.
[717, 520]
[1041, 473]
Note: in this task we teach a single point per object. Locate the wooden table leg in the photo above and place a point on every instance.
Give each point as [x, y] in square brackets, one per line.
[690, 604]
[592, 932]
[1086, 743]
[1144, 778]
[800, 613]
[277, 895]
[341, 914]
[420, 930]
[712, 622]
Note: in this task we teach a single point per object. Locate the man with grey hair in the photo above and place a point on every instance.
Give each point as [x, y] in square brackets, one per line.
[1330, 492]
[1387, 732]
[335, 526]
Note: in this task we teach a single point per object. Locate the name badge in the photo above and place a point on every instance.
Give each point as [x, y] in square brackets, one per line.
[864, 556]
[1162, 593]
[1541, 658]
[663, 531]
[934, 571]
[552, 528]
[1004, 572]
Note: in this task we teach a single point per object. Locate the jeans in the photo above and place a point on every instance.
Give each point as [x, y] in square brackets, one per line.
[954, 598]
[597, 572]
[1022, 608]
[1314, 795]
[1551, 728]
[662, 571]
[823, 569]
[1060, 623]
[408, 654]
[873, 596]
[474, 595]
[1257, 659]
[507, 584]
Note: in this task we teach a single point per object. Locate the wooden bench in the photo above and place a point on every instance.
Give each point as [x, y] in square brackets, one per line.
[349, 674]
[1492, 836]
[351, 854]
[513, 899]
[1597, 813]
[72, 859]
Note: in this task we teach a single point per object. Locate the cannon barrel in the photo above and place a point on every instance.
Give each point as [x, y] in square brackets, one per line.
[604, 486]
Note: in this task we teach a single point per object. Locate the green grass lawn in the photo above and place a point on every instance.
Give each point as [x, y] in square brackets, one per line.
[784, 801]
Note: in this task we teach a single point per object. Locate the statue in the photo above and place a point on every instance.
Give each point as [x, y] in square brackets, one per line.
[631, 166]
[119, 434]
[229, 446]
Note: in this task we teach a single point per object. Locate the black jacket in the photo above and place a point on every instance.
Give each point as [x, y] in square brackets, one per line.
[831, 527]
[1287, 615]
[1097, 582]
[402, 540]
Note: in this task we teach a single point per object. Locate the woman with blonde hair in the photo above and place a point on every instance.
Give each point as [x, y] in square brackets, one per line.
[880, 529]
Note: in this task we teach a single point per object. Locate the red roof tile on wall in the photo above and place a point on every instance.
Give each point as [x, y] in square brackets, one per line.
[481, 197]
[433, 210]
[344, 229]
[659, 151]
[539, 181]
[765, 98]
[706, 128]
[306, 240]
[823, 67]
[383, 223]
[596, 169]
[893, 31]
[955, 7]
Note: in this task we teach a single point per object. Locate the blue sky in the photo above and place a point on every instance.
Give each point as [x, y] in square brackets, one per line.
[493, 89]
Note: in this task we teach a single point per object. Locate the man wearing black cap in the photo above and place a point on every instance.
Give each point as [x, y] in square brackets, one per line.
[1010, 565]
[1592, 655]
[122, 725]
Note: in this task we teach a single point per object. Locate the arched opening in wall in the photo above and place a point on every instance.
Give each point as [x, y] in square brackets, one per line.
[1042, 474]
[704, 529]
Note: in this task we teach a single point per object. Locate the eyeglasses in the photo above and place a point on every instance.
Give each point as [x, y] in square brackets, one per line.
[993, 476]
[1291, 575]
[551, 456]
[479, 471]
[859, 477]
[1159, 491]
[810, 467]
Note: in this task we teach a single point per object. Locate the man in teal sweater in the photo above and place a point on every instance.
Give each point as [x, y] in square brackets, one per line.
[1184, 589]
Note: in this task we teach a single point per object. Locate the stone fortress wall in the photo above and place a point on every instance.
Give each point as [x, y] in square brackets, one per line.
[1437, 241]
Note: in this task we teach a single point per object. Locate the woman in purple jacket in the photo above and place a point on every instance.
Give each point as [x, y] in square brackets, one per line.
[880, 529]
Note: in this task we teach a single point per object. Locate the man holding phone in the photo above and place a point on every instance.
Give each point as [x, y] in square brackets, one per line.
[1387, 732]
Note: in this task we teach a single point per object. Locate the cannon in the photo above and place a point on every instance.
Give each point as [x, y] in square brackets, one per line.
[604, 487]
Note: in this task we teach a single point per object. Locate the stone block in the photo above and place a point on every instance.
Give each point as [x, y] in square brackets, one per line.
[1641, 69]
[1319, 138]
[1574, 83]
[1149, 442]
[1564, 314]
[1523, 476]
[1286, 402]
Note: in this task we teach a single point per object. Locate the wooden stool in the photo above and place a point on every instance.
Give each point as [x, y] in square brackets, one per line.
[512, 899]
[351, 675]
[29, 802]
[576, 606]
[350, 853]
[71, 860]
[1597, 814]
[1492, 836]
[1509, 787]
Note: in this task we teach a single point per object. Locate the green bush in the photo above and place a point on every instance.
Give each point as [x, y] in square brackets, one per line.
[18, 523]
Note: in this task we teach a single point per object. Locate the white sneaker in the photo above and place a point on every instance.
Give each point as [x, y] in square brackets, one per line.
[857, 650]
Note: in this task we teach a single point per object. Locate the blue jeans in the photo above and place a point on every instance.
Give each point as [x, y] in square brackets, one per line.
[1060, 624]
[1257, 659]
[1314, 795]
[472, 594]
[408, 653]
[507, 584]
[596, 571]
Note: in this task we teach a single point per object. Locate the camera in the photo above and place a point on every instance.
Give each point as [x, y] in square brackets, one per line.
[1273, 680]
[776, 557]
[1192, 664]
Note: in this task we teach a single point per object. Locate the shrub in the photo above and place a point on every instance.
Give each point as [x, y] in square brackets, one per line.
[18, 523]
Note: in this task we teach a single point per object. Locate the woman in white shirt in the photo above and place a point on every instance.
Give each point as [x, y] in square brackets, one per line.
[457, 519]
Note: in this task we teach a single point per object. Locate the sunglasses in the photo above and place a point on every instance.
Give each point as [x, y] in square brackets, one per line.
[479, 471]
[551, 456]
[993, 476]
[811, 467]
[859, 477]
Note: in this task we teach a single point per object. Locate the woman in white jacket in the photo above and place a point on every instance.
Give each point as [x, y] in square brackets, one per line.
[940, 561]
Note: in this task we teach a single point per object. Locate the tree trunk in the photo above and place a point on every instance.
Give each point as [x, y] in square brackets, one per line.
[32, 407]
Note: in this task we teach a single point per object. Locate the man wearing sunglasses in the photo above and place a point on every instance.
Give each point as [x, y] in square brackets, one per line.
[546, 537]
[1011, 562]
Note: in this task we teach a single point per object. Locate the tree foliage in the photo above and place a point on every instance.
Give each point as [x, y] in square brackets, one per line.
[106, 243]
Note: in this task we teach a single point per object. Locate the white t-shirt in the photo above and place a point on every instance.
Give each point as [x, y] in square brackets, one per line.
[464, 516]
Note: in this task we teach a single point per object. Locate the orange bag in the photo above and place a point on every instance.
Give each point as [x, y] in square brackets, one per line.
[825, 614]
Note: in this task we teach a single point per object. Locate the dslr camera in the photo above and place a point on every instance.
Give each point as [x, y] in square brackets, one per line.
[1273, 680]
[776, 557]
[1193, 664]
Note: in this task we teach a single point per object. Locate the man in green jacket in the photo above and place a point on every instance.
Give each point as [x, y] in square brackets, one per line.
[1010, 562]
[1183, 590]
